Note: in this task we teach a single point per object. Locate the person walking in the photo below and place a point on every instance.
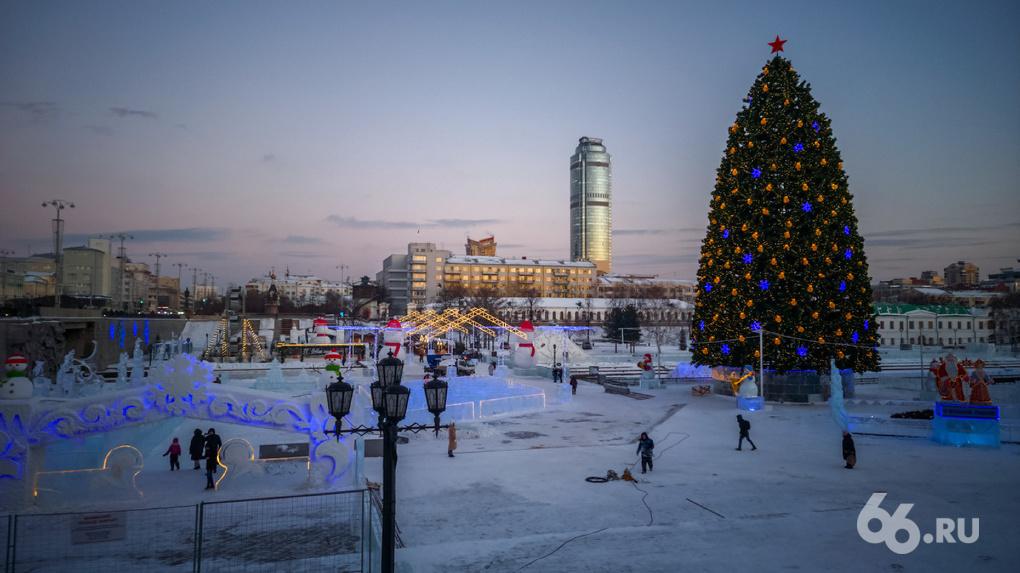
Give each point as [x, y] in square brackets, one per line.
[573, 384]
[174, 451]
[211, 461]
[197, 448]
[212, 438]
[645, 446]
[849, 451]
[745, 428]
[453, 440]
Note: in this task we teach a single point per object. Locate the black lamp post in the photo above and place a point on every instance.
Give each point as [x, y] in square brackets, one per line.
[389, 400]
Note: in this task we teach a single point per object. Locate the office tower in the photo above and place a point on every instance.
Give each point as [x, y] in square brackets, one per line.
[591, 197]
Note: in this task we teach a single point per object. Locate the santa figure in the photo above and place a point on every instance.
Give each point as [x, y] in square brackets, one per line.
[950, 378]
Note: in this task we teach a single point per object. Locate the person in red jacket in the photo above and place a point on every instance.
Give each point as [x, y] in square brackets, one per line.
[175, 455]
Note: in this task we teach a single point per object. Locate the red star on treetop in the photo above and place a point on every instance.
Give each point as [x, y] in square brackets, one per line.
[777, 46]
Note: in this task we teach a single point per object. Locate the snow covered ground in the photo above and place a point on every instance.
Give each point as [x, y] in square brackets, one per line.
[515, 497]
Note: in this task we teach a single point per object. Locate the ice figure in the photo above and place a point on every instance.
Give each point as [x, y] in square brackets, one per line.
[65, 377]
[122, 372]
[137, 366]
[43, 385]
[273, 380]
[836, 401]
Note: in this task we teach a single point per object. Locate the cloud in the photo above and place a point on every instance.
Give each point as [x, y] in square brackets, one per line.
[98, 129]
[195, 234]
[640, 231]
[125, 112]
[305, 255]
[940, 237]
[36, 110]
[462, 222]
[352, 223]
[300, 240]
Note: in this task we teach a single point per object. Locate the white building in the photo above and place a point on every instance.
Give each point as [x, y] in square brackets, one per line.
[932, 325]
[300, 289]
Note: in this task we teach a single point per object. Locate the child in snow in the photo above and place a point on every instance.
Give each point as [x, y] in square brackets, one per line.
[174, 451]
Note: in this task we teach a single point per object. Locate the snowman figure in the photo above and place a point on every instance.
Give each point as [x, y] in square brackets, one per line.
[17, 385]
[748, 388]
[524, 349]
[333, 362]
[393, 338]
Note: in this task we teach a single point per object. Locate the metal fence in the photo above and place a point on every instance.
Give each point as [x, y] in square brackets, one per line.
[336, 532]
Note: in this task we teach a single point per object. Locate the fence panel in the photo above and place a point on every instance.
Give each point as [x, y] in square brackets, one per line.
[158, 539]
[5, 533]
[319, 532]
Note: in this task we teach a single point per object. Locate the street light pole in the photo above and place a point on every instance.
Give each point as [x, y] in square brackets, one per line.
[179, 265]
[4, 253]
[122, 257]
[157, 255]
[58, 229]
[389, 400]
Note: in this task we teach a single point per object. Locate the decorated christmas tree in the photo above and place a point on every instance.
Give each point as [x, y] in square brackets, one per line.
[782, 256]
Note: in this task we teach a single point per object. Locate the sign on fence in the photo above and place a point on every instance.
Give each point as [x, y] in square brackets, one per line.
[98, 527]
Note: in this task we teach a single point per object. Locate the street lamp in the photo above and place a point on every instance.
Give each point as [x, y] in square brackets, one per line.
[389, 400]
[58, 229]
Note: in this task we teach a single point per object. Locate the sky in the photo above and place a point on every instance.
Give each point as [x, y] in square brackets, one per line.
[321, 137]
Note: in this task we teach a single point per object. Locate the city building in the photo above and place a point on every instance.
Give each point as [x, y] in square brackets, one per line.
[519, 277]
[1009, 277]
[591, 198]
[413, 279]
[900, 325]
[300, 289]
[483, 248]
[962, 274]
[638, 286]
[87, 274]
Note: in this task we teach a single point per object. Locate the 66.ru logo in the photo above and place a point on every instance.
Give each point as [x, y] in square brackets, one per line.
[898, 521]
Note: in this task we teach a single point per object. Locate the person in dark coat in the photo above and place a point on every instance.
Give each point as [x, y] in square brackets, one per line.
[645, 446]
[211, 461]
[745, 429]
[849, 451]
[212, 438]
[573, 384]
[197, 449]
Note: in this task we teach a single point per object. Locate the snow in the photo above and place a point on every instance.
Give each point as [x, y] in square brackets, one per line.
[514, 498]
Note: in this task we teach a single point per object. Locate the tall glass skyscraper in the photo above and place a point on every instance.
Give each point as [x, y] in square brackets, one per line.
[591, 198]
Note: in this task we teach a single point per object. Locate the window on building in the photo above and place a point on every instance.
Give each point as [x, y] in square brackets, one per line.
[911, 325]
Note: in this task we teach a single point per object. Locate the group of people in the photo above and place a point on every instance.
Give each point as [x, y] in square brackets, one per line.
[203, 447]
[646, 445]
